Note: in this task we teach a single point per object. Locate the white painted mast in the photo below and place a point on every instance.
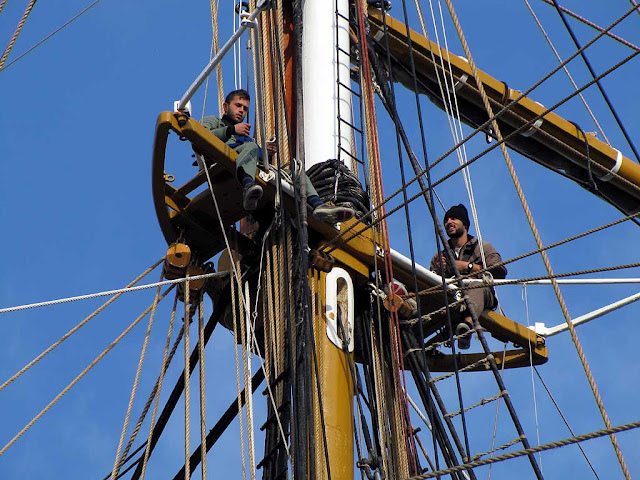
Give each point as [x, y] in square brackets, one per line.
[323, 66]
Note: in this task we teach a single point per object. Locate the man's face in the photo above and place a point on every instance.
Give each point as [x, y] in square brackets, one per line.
[236, 109]
[454, 227]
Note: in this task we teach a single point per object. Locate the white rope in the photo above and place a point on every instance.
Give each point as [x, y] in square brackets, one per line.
[417, 410]
[110, 292]
[525, 298]
[457, 131]
[246, 354]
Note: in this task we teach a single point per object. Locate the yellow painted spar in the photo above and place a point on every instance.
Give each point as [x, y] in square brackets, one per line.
[543, 136]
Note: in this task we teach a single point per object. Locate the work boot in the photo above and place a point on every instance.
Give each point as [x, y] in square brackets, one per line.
[250, 196]
[463, 342]
[333, 214]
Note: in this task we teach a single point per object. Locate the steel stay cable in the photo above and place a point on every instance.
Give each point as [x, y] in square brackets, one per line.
[144, 444]
[553, 400]
[118, 460]
[112, 292]
[595, 26]
[598, 84]
[75, 329]
[536, 235]
[540, 448]
[566, 70]
[80, 375]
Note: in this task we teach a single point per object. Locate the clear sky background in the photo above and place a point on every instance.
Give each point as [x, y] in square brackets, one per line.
[77, 122]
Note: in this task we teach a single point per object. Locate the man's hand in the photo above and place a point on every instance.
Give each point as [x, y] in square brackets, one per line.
[441, 266]
[272, 148]
[243, 129]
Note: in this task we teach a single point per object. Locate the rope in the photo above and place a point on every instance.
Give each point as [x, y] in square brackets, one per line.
[68, 22]
[497, 449]
[495, 420]
[595, 26]
[481, 403]
[203, 423]
[79, 377]
[245, 332]
[598, 84]
[234, 309]
[75, 329]
[537, 238]
[112, 292]
[520, 453]
[566, 70]
[525, 298]
[163, 370]
[2, 5]
[118, 460]
[187, 383]
[499, 143]
[152, 396]
[17, 32]
[471, 366]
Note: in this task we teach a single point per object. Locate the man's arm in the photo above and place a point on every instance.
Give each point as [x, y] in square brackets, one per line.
[218, 128]
[492, 258]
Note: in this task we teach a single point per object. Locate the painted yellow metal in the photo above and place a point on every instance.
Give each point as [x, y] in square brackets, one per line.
[337, 391]
[556, 135]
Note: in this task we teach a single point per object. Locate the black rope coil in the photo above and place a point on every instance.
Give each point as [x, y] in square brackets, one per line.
[336, 183]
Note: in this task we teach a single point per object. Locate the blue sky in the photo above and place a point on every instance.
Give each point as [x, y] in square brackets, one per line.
[78, 118]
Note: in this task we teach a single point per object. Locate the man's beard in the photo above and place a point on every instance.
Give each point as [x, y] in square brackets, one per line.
[456, 234]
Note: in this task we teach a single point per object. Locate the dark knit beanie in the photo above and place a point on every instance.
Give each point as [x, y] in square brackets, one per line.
[459, 212]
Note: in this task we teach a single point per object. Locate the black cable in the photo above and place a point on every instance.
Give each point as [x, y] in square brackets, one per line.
[593, 75]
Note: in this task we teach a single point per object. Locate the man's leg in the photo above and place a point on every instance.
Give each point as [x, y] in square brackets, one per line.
[246, 165]
[478, 298]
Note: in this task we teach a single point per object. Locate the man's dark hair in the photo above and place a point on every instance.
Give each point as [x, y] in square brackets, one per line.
[242, 94]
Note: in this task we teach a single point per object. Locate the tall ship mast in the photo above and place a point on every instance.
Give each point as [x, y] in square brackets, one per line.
[351, 327]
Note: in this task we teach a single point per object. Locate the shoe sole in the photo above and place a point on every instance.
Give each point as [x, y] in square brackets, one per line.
[250, 199]
[336, 215]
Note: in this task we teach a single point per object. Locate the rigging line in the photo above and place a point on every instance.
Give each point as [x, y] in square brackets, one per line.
[487, 150]
[495, 420]
[201, 363]
[448, 313]
[494, 145]
[2, 3]
[540, 448]
[462, 157]
[564, 419]
[187, 377]
[588, 22]
[525, 298]
[566, 70]
[245, 333]
[538, 240]
[118, 460]
[599, 85]
[68, 22]
[400, 406]
[80, 375]
[223, 423]
[234, 309]
[155, 393]
[144, 444]
[634, 3]
[17, 32]
[76, 328]
[111, 292]
[176, 393]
